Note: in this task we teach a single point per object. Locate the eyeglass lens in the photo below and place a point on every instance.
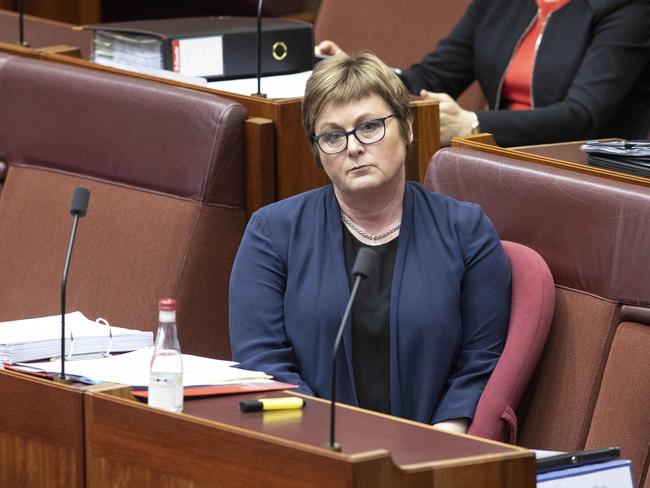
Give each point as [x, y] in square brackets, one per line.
[368, 132]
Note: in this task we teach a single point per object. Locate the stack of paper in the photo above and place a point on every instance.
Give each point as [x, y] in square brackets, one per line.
[627, 156]
[40, 338]
[133, 369]
[128, 50]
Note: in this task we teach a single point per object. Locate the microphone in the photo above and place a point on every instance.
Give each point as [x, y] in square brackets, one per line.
[21, 23]
[362, 268]
[78, 209]
[259, 51]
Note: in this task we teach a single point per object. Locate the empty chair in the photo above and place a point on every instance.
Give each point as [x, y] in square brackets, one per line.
[165, 167]
[590, 387]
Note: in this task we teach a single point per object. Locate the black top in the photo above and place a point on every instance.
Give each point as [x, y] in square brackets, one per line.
[370, 332]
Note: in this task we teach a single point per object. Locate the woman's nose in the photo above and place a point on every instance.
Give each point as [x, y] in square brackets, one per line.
[354, 146]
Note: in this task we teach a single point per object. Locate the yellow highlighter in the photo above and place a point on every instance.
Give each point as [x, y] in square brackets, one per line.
[263, 404]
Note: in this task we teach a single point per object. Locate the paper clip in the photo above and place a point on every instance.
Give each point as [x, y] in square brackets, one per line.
[102, 321]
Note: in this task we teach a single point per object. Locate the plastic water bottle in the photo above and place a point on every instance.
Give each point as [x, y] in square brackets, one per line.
[166, 373]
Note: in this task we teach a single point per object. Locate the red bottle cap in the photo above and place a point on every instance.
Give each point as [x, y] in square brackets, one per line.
[167, 304]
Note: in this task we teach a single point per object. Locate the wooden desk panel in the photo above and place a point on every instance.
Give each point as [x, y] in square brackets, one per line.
[212, 443]
[51, 434]
[41, 433]
[563, 151]
[564, 155]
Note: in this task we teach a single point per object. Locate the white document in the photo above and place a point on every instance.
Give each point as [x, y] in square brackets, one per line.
[635, 149]
[158, 72]
[133, 369]
[541, 454]
[279, 86]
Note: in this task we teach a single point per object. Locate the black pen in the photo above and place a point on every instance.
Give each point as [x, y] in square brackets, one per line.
[577, 458]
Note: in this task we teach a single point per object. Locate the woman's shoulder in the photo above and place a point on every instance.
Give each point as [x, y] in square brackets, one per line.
[281, 218]
[290, 208]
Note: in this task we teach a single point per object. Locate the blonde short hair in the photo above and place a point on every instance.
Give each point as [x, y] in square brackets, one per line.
[343, 78]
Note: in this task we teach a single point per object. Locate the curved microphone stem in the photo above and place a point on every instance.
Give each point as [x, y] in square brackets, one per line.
[337, 341]
[64, 282]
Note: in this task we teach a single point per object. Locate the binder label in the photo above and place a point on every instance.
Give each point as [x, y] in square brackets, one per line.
[198, 56]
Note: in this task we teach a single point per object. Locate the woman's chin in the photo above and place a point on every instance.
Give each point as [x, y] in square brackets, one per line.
[364, 183]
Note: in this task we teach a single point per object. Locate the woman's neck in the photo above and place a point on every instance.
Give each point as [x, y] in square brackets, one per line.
[373, 210]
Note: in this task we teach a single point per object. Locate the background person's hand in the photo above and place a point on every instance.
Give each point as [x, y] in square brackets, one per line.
[453, 425]
[454, 120]
[327, 48]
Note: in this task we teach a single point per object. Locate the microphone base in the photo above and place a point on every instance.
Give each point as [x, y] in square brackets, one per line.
[259, 95]
[65, 380]
[336, 447]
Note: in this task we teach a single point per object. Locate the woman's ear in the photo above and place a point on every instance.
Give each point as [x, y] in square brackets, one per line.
[410, 125]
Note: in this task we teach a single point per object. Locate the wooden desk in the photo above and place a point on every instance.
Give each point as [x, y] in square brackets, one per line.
[99, 436]
[565, 155]
[213, 444]
[279, 159]
[41, 433]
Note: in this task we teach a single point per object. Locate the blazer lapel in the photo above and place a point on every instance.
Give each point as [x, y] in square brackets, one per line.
[334, 230]
[396, 289]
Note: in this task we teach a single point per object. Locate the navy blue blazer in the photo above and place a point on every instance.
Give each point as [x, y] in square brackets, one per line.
[449, 306]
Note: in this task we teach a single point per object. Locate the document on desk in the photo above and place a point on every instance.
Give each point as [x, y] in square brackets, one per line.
[133, 369]
[578, 471]
[280, 86]
[609, 474]
[40, 338]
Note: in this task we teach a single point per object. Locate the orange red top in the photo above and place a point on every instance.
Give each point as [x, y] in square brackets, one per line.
[517, 82]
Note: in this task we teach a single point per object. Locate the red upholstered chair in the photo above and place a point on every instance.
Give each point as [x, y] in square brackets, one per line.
[532, 305]
[590, 387]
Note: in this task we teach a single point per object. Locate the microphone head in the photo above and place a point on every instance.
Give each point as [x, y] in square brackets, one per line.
[365, 262]
[79, 204]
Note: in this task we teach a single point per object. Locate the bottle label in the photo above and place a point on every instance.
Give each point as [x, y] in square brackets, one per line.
[166, 391]
[167, 316]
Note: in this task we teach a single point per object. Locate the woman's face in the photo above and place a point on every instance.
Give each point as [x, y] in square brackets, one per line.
[362, 166]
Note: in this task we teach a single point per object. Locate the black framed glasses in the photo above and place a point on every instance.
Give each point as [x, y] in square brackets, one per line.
[367, 132]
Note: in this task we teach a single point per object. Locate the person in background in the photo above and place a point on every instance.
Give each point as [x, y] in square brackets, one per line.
[428, 329]
[551, 70]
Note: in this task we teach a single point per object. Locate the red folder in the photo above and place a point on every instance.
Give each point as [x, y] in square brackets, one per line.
[212, 390]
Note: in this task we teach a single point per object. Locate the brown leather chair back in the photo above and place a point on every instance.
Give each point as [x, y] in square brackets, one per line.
[166, 173]
[399, 33]
[594, 234]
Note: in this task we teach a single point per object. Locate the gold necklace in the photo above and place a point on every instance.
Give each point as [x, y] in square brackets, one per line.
[373, 237]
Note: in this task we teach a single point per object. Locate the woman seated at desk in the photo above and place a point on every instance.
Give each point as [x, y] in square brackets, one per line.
[427, 331]
[551, 70]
